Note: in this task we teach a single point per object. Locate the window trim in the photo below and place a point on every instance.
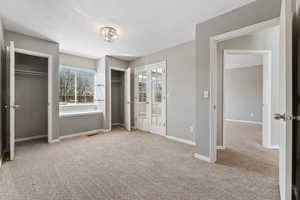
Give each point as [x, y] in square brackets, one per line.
[65, 104]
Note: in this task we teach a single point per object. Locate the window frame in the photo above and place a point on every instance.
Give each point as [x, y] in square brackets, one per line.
[76, 103]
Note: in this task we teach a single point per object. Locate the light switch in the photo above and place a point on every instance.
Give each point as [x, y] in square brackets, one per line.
[206, 94]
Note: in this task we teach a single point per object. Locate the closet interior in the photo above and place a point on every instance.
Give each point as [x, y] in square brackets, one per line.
[31, 97]
[117, 97]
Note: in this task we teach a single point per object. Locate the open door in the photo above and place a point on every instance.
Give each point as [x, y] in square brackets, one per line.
[127, 100]
[157, 110]
[141, 99]
[10, 99]
[285, 115]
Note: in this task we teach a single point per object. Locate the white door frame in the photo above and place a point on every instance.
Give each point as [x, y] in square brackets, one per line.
[109, 80]
[213, 109]
[267, 83]
[50, 75]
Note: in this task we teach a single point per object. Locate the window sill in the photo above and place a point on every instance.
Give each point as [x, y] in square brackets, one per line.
[73, 114]
[77, 105]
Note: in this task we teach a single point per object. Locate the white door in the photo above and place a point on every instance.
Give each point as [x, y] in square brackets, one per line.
[127, 100]
[141, 99]
[157, 110]
[284, 116]
[150, 98]
[11, 105]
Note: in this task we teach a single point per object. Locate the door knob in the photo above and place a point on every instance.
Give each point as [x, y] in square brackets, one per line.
[284, 117]
[13, 106]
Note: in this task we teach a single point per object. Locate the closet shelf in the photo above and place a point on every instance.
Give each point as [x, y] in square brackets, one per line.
[28, 72]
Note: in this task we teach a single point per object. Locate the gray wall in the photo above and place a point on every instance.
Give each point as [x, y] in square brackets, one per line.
[43, 46]
[243, 93]
[180, 87]
[77, 61]
[2, 137]
[76, 124]
[267, 39]
[258, 11]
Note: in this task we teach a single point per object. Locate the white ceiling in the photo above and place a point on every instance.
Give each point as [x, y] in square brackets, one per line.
[232, 61]
[146, 26]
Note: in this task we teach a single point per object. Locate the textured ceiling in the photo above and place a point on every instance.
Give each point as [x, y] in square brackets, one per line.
[146, 26]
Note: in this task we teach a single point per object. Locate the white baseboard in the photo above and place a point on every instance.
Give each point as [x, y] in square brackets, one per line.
[274, 147]
[53, 141]
[201, 157]
[117, 124]
[81, 134]
[181, 140]
[221, 147]
[243, 121]
[31, 138]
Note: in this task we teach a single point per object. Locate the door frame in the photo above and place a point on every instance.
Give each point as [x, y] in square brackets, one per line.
[109, 80]
[213, 109]
[267, 71]
[50, 88]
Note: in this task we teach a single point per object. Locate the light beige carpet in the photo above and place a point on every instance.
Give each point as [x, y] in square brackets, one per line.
[244, 150]
[125, 166]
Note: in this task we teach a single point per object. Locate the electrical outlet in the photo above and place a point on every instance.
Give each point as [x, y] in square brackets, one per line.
[206, 94]
[192, 129]
[252, 114]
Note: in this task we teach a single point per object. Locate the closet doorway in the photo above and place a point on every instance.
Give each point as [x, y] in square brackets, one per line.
[150, 98]
[119, 97]
[28, 92]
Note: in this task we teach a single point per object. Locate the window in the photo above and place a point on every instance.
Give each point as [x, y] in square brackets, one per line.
[76, 86]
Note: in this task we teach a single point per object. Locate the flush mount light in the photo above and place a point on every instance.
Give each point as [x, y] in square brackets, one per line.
[109, 33]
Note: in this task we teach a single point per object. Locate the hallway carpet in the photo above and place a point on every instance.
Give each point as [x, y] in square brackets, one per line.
[127, 166]
[244, 150]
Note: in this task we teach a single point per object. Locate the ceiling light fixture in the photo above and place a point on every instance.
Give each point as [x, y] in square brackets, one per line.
[109, 33]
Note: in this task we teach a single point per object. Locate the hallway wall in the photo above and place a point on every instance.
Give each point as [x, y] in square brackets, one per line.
[258, 11]
[243, 93]
[267, 39]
